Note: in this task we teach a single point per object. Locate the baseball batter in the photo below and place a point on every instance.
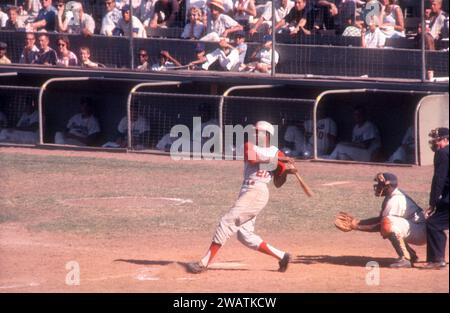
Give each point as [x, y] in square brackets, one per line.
[259, 159]
[401, 220]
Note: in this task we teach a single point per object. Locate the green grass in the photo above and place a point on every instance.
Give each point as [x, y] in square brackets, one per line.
[36, 185]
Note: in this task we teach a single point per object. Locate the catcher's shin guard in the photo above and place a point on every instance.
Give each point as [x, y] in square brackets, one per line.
[400, 246]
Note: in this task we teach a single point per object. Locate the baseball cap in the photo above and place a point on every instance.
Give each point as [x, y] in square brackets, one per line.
[439, 133]
[3, 45]
[265, 126]
[126, 8]
[200, 47]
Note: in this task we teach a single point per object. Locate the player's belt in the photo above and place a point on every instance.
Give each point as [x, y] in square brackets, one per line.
[248, 182]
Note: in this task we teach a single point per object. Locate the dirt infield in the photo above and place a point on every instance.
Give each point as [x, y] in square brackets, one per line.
[131, 221]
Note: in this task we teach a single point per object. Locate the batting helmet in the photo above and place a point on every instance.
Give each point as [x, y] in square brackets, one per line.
[265, 126]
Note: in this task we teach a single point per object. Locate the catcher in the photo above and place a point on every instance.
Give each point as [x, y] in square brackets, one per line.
[401, 220]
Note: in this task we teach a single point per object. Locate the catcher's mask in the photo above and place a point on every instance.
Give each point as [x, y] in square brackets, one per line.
[436, 135]
[382, 183]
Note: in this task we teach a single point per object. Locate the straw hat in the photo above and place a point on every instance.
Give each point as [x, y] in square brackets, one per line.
[218, 4]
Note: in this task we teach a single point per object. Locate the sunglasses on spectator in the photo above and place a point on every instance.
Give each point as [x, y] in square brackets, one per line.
[61, 45]
[142, 55]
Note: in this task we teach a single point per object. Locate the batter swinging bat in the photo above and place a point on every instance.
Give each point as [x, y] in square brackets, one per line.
[304, 186]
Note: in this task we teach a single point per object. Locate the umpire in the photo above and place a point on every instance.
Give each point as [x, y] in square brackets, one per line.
[437, 221]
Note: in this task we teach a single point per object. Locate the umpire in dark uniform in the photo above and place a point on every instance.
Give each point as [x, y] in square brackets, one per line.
[437, 221]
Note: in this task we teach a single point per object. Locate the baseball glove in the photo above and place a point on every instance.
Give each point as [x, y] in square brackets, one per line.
[345, 222]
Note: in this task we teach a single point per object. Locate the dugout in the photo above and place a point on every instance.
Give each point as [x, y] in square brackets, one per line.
[393, 112]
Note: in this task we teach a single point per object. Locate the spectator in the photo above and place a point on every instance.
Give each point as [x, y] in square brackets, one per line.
[296, 20]
[3, 58]
[264, 23]
[85, 57]
[148, 10]
[261, 59]
[219, 25]
[143, 61]
[65, 57]
[30, 52]
[26, 130]
[111, 19]
[326, 13]
[13, 23]
[195, 28]
[164, 14]
[244, 11]
[393, 22]
[374, 38]
[166, 62]
[82, 129]
[365, 143]
[230, 58]
[404, 153]
[124, 24]
[200, 53]
[46, 17]
[32, 7]
[3, 19]
[77, 22]
[437, 25]
[46, 55]
[140, 132]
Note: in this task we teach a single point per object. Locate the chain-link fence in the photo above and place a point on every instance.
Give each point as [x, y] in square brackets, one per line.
[19, 118]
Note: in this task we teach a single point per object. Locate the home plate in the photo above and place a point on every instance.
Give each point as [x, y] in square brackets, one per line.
[228, 265]
[336, 183]
[146, 274]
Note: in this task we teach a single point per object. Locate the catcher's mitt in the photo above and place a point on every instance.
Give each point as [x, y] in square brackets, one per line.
[345, 222]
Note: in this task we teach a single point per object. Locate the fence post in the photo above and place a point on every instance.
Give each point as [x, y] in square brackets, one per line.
[422, 21]
[272, 73]
[131, 37]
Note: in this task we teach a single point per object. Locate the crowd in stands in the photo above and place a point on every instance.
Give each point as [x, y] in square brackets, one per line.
[228, 22]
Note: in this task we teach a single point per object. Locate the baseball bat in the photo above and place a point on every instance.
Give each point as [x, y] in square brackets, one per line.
[304, 186]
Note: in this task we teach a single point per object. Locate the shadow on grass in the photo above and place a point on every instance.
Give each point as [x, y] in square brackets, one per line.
[345, 260]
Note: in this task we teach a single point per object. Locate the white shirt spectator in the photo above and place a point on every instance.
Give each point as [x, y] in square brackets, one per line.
[228, 62]
[3, 19]
[75, 27]
[138, 28]
[375, 39]
[280, 11]
[70, 60]
[162, 68]
[110, 21]
[437, 24]
[215, 29]
[244, 16]
[265, 56]
[33, 7]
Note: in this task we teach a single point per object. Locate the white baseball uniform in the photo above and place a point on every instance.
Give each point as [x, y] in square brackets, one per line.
[325, 127]
[365, 132]
[406, 218]
[78, 126]
[21, 136]
[139, 127]
[404, 153]
[253, 197]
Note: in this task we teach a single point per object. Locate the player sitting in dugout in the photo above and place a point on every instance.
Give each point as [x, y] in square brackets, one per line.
[82, 129]
[401, 220]
[140, 132]
[26, 130]
[366, 141]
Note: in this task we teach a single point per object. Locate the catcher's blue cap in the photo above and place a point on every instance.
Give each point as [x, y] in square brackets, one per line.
[387, 179]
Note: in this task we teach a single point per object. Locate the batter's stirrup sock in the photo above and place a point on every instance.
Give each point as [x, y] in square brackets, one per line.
[268, 249]
[400, 246]
[212, 251]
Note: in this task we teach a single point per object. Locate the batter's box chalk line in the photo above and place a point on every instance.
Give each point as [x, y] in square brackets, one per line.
[178, 201]
[337, 183]
[14, 286]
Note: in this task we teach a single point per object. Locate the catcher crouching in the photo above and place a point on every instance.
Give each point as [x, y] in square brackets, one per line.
[401, 220]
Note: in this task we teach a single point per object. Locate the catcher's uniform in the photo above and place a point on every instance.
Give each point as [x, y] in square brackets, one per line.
[405, 218]
[253, 197]
[21, 136]
[365, 132]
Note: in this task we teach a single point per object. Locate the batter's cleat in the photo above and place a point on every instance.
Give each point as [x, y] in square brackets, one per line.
[196, 268]
[435, 265]
[401, 263]
[284, 262]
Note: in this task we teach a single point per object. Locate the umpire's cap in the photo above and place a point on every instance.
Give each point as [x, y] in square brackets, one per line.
[438, 133]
